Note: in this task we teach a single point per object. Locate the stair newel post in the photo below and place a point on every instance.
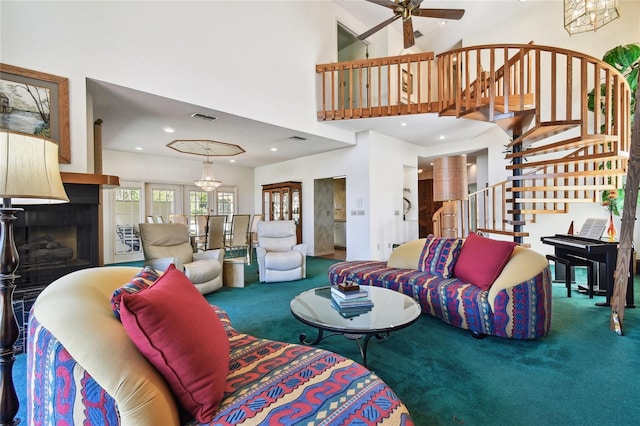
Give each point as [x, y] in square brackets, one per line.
[517, 183]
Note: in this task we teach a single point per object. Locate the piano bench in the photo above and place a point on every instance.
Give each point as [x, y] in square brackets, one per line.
[570, 261]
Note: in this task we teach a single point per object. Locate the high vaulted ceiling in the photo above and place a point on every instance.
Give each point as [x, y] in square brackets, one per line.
[442, 35]
[135, 120]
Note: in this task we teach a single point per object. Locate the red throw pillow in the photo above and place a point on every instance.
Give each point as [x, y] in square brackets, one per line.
[179, 333]
[481, 260]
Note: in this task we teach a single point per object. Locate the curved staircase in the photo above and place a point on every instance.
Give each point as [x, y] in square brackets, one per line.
[560, 152]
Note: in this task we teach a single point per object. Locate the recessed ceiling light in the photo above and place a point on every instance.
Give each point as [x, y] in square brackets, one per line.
[403, 124]
[420, 171]
[139, 148]
[441, 137]
[443, 22]
[169, 129]
[274, 149]
[232, 161]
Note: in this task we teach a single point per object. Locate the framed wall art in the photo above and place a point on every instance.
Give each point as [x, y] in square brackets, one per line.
[36, 103]
[407, 85]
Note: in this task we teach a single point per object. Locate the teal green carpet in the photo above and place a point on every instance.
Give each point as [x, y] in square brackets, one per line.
[581, 374]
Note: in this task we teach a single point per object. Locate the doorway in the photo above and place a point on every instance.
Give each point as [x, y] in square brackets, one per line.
[350, 49]
[330, 218]
[427, 207]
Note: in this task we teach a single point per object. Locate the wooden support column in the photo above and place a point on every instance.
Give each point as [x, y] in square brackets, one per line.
[97, 168]
[97, 147]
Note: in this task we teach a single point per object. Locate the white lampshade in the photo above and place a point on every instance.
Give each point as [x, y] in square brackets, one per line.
[207, 181]
[29, 170]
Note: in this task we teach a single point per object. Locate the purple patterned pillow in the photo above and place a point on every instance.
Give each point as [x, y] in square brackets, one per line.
[141, 281]
[439, 255]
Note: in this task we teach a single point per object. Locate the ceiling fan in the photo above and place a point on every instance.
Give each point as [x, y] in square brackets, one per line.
[405, 9]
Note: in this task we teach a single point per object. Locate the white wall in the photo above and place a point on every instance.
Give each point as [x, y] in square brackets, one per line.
[374, 182]
[544, 25]
[251, 58]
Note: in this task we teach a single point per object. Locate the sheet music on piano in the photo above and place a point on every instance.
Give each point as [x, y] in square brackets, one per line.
[593, 228]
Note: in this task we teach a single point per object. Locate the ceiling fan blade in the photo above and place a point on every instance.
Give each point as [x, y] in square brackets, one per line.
[407, 30]
[439, 13]
[377, 28]
[385, 3]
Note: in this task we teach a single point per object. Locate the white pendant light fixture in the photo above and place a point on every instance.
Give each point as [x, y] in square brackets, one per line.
[588, 15]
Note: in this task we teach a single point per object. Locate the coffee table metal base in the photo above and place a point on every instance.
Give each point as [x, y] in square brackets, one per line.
[358, 338]
[391, 311]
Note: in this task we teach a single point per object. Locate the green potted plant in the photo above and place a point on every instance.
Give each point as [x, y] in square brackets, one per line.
[625, 59]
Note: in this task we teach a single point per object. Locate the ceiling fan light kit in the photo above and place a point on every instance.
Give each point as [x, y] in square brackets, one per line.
[405, 9]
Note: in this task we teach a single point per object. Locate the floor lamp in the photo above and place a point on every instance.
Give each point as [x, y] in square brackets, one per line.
[29, 174]
[450, 185]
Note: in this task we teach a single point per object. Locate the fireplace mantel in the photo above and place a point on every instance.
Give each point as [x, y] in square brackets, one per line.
[105, 181]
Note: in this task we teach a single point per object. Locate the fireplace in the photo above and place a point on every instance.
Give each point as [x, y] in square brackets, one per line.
[52, 241]
[56, 239]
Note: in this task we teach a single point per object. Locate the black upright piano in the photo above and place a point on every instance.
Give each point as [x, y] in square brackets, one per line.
[602, 252]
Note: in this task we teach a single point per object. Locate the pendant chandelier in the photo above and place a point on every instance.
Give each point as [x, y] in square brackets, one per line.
[206, 148]
[208, 181]
[588, 15]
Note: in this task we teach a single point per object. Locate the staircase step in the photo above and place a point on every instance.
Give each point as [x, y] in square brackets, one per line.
[545, 130]
[562, 175]
[515, 222]
[553, 200]
[535, 211]
[564, 145]
[525, 102]
[565, 161]
[560, 188]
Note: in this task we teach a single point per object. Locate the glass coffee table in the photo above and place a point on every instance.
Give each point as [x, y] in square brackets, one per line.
[391, 311]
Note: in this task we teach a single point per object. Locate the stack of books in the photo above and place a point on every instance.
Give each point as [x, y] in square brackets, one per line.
[350, 300]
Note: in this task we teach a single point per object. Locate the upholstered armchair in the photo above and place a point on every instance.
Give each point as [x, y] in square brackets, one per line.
[280, 258]
[166, 243]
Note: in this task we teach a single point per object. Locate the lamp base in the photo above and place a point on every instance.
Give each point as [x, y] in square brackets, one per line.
[8, 399]
[9, 262]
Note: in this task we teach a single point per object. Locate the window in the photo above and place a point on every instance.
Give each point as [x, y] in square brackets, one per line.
[127, 215]
[198, 205]
[225, 202]
[198, 202]
[163, 203]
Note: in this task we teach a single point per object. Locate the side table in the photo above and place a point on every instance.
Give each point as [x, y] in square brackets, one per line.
[233, 272]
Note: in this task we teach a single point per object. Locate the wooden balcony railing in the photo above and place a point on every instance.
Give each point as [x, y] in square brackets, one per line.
[396, 85]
